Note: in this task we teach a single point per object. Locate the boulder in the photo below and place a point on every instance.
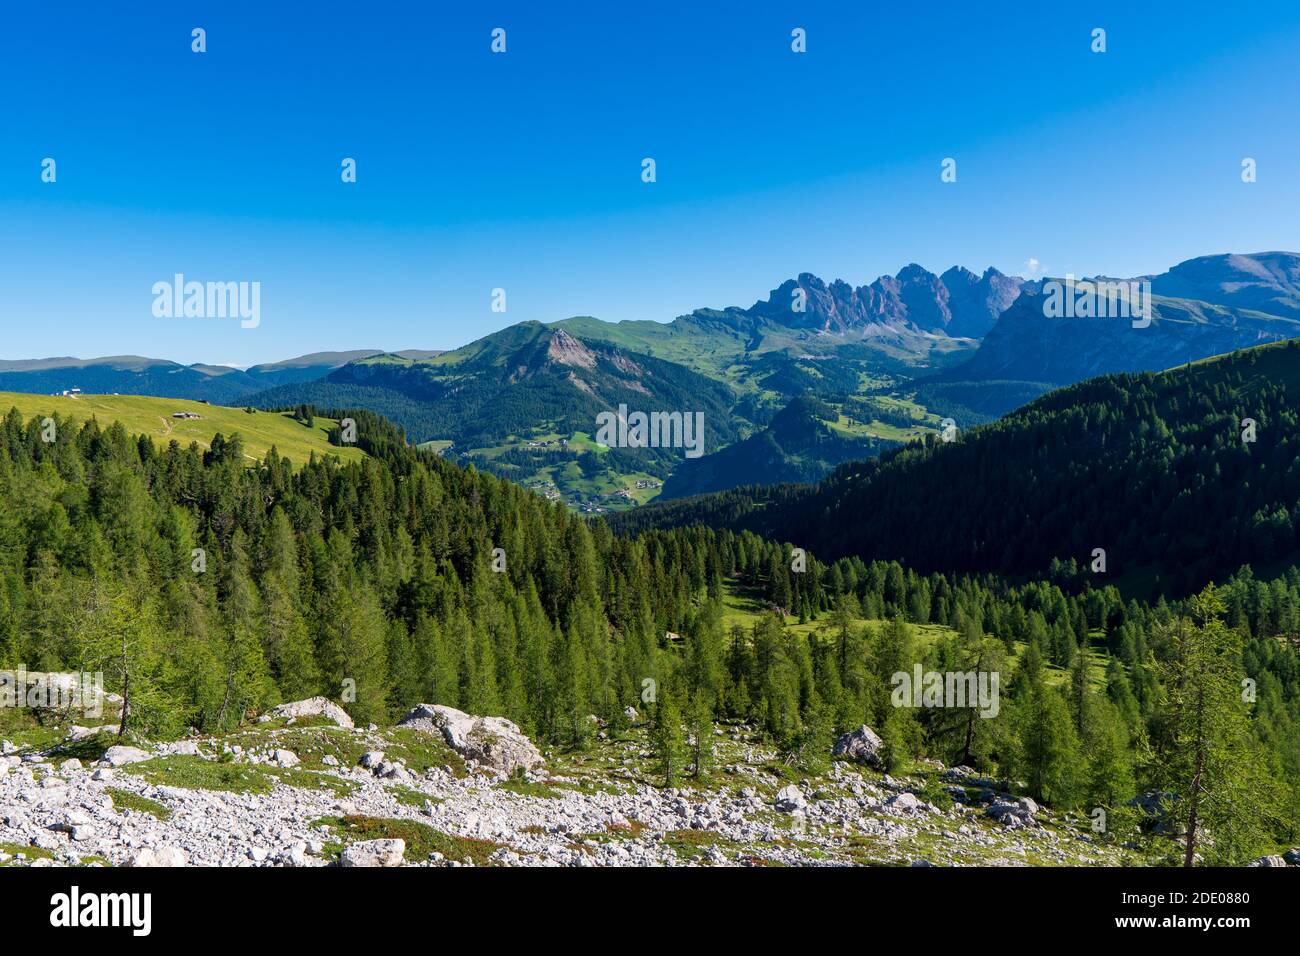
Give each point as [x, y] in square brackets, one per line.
[790, 799]
[861, 745]
[1292, 856]
[373, 853]
[905, 802]
[77, 824]
[1268, 861]
[285, 758]
[159, 856]
[189, 748]
[1013, 813]
[120, 755]
[314, 707]
[493, 741]
[371, 759]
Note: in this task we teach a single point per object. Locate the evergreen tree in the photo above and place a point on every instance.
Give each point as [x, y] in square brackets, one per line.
[1206, 755]
[702, 732]
[666, 738]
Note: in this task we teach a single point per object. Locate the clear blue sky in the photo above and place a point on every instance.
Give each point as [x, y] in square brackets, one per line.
[522, 170]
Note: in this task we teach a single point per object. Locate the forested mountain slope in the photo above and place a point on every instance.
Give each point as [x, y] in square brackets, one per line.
[1158, 470]
[403, 579]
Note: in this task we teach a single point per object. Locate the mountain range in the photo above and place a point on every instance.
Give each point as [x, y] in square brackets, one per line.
[1202, 307]
[137, 375]
[884, 361]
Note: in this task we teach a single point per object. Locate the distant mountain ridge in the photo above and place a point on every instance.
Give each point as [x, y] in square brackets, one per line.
[138, 375]
[508, 383]
[1202, 307]
[957, 303]
[955, 344]
[1261, 282]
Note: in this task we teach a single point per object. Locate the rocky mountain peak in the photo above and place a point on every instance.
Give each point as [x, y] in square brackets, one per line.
[564, 349]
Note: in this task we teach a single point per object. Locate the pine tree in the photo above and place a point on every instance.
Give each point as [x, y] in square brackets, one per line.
[666, 738]
[702, 732]
[1206, 755]
[1049, 748]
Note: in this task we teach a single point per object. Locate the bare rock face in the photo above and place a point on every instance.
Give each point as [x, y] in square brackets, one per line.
[374, 853]
[493, 741]
[314, 707]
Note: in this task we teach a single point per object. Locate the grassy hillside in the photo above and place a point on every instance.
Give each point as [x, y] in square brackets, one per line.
[143, 415]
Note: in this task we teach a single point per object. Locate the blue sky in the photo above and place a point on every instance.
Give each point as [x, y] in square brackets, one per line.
[522, 170]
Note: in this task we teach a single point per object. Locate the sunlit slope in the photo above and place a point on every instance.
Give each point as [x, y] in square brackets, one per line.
[144, 415]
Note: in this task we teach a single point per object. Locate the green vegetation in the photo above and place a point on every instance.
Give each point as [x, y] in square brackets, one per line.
[1153, 469]
[694, 844]
[197, 773]
[421, 840]
[377, 577]
[28, 853]
[258, 431]
[522, 402]
[126, 800]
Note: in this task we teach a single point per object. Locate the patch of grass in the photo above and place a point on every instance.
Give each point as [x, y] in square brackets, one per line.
[19, 726]
[87, 750]
[126, 800]
[421, 750]
[30, 852]
[421, 839]
[785, 772]
[615, 831]
[311, 744]
[410, 797]
[144, 415]
[195, 773]
[936, 793]
[691, 844]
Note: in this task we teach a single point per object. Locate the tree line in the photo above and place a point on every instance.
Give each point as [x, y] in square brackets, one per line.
[208, 588]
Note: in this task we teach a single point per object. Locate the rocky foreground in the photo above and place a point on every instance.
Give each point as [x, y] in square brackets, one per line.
[305, 788]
